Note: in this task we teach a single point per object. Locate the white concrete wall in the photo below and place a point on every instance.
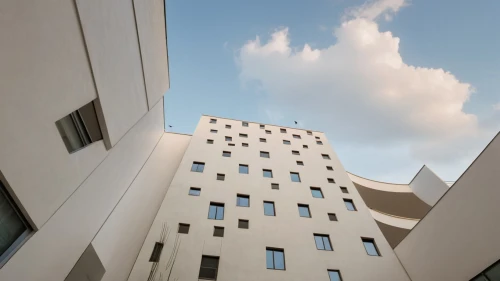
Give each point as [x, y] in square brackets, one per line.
[378, 185]
[242, 251]
[394, 221]
[121, 237]
[457, 239]
[428, 186]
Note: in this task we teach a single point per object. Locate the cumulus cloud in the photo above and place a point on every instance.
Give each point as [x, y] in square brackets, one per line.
[361, 91]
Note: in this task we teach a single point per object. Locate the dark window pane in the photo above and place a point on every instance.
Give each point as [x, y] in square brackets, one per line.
[218, 231]
[213, 121]
[494, 272]
[332, 217]
[221, 177]
[264, 154]
[12, 224]
[482, 278]
[262, 140]
[275, 186]
[155, 255]
[209, 267]
[183, 228]
[344, 189]
[243, 224]
[325, 156]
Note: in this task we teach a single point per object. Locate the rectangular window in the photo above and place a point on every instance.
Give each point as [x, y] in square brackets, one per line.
[244, 124]
[226, 153]
[228, 126]
[216, 211]
[316, 192]
[243, 224]
[194, 191]
[370, 246]
[155, 255]
[262, 140]
[213, 121]
[209, 141]
[325, 156]
[332, 217]
[316, 137]
[275, 258]
[305, 146]
[243, 169]
[264, 154]
[242, 200]
[331, 180]
[213, 131]
[296, 136]
[300, 163]
[267, 173]
[309, 133]
[275, 186]
[304, 211]
[229, 138]
[323, 242]
[329, 168]
[244, 144]
[344, 189]
[244, 135]
[218, 231]
[268, 132]
[283, 130]
[262, 126]
[269, 208]
[295, 152]
[208, 268]
[334, 275]
[221, 177]
[198, 167]
[295, 177]
[286, 142]
[183, 228]
[349, 205]
[80, 128]
[14, 229]
[319, 142]
[230, 144]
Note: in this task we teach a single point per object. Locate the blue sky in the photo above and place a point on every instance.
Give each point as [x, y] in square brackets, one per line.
[384, 119]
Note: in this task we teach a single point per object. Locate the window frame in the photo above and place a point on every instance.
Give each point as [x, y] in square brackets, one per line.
[347, 200]
[268, 132]
[216, 269]
[213, 121]
[323, 238]
[274, 208]
[194, 189]
[372, 241]
[228, 138]
[326, 156]
[330, 180]
[296, 137]
[213, 131]
[305, 146]
[244, 124]
[268, 172]
[210, 141]
[183, 228]
[313, 188]
[244, 144]
[344, 190]
[287, 142]
[262, 140]
[265, 153]
[333, 215]
[336, 271]
[227, 126]
[273, 250]
[221, 177]
[218, 231]
[198, 164]
[241, 135]
[298, 176]
[242, 196]
[217, 206]
[300, 163]
[295, 152]
[305, 206]
[277, 185]
[244, 166]
[241, 223]
[283, 130]
[226, 153]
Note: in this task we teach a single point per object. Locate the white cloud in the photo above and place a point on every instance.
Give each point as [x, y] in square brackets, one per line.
[496, 106]
[361, 91]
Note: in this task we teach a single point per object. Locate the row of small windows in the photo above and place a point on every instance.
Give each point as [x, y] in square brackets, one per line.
[287, 142]
[266, 154]
[211, 141]
[245, 124]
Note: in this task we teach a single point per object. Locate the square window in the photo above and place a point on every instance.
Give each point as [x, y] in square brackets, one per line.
[226, 153]
[268, 132]
[305, 146]
[264, 154]
[198, 167]
[269, 208]
[244, 144]
[229, 138]
[283, 130]
[243, 224]
[243, 169]
[309, 133]
[316, 192]
[275, 186]
[295, 152]
[242, 200]
[208, 268]
[334, 275]
[262, 140]
[221, 177]
[218, 231]
[323, 242]
[228, 126]
[230, 144]
[216, 211]
[296, 136]
[304, 211]
[329, 168]
[319, 142]
[243, 135]
[262, 126]
[275, 258]
[244, 124]
[344, 189]
[325, 156]
[213, 121]
[331, 180]
[183, 228]
[349, 205]
[213, 131]
[267, 173]
[194, 191]
[300, 163]
[286, 142]
[370, 246]
[332, 217]
[295, 177]
[209, 141]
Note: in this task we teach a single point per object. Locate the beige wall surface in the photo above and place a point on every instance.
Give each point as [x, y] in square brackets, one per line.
[53, 250]
[242, 251]
[428, 186]
[457, 239]
[121, 237]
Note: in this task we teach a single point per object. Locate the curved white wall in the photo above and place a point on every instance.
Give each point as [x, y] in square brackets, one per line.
[383, 186]
[428, 186]
[394, 221]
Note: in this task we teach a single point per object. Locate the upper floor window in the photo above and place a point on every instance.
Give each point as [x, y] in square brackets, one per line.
[216, 211]
[295, 152]
[243, 169]
[244, 144]
[283, 130]
[317, 137]
[309, 133]
[316, 192]
[344, 189]
[286, 142]
[80, 128]
[243, 224]
[305, 146]
[221, 177]
[198, 167]
[275, 186]
[264, 154]
[218, 231]
[262, 126]
[296, 136]
[226, 153]
[269, 208]
[228, 126]
[370, 246]
[300, 163]
[208, 268]
[304, 211]
[334, 275]
[349, 205]
[183, 228]
[268, 132]
[275, 258]
[262, 140]
[295, 177]
[213, 121]
[329, 168]
[489, 274]
[319, 142]
[244, 135]
[332, 216]
[231, 144]
[194, 191]
[213, 131]
[229, 138]
[244, 124]
[242, 200]
[209, 141]
[331, 180]
[323, 242]
[325, 156]
[267, 173]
